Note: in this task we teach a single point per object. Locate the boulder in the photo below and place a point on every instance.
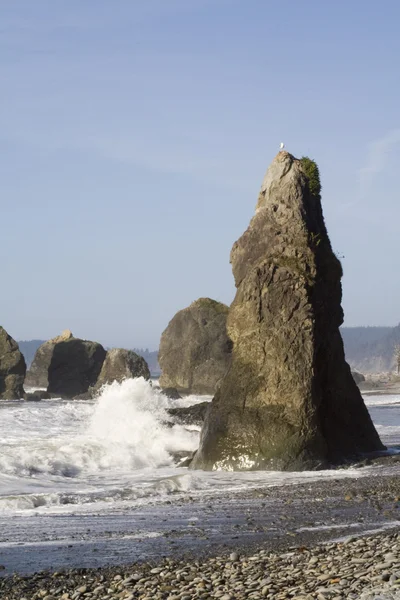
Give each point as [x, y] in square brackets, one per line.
[38, 373]
[172, 393]
[37, 396]
[75, 367]
[195, 351]
[190, 415]
[358, 377]
[289, 400]
[121, 364]
[12, 368]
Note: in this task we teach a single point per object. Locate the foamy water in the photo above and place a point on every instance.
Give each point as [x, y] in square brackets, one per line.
[118, 452]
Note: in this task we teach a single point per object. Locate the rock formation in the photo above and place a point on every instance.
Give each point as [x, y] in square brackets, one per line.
[75, 367]
[190, 415]
[172, 393]
[12, 368]
[358, 377]
[38, 373]
[122, 364]
[288, 400]
[195, 351]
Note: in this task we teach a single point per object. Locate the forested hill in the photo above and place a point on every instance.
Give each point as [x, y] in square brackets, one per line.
[370, 349]
[151, 357]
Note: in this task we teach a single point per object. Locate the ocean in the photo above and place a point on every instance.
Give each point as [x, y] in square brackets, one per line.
[96, 460]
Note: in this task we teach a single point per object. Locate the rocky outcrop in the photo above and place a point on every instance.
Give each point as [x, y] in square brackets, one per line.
[12, 368]
[195, 351]
[358, 377]
[190, 415]
[38, 373]
[75, 367]
[289, 400]
[37, 396]
[121, 364]
[172, 393]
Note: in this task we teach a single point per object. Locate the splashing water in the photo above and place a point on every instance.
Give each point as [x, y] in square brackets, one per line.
[118, 450]
[125, 429]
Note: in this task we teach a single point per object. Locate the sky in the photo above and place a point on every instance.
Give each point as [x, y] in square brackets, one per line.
[134, 137]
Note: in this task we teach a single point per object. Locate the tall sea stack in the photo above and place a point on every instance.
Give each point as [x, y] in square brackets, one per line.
[288, 400]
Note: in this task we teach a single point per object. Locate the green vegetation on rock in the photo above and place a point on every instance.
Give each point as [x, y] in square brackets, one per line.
[310, 169]
[211, 304]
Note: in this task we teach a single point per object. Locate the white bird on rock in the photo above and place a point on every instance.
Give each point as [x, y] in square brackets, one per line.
[281, 147]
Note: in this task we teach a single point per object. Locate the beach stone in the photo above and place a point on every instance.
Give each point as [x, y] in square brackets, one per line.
[288, 400]
[82, 589]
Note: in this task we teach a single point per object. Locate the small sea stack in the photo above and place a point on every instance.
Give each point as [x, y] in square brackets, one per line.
[38, 373]
[120, 364]
[195, 351]
[75, 366]
[288, 401]
[12, 368]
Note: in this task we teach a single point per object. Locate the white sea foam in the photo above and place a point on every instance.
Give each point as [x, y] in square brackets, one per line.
[124, 429]
[382, 400]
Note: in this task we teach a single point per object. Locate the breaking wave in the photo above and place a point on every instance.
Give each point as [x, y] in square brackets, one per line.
[125, 429]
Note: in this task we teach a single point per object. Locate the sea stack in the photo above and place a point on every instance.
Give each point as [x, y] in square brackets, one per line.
[38, 373]
[121, 364]
[12, 368]
[195, 351]
[288, 401]
[74, 367]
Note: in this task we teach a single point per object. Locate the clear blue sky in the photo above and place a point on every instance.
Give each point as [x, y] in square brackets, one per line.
[134, 136]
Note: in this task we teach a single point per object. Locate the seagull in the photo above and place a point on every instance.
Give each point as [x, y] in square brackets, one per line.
[281, 147]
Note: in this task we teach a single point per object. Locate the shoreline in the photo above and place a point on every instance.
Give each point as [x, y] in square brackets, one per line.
[269, 519]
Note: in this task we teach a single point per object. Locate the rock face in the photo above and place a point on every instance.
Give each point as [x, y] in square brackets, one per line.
[75, 367]
[38, 374]
[122, 364]
[12, 368]
[195, 351]
[289, 400]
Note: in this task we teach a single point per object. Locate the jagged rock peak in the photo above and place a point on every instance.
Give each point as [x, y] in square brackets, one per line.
[289, 400]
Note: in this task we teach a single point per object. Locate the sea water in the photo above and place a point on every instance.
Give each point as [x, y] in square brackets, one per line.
[119, 451]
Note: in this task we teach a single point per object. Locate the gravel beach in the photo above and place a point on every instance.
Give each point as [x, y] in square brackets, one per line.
[330, 539]
[368, 568]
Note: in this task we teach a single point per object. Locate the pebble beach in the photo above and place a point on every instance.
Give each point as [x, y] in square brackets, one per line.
[335, 540]
[368, 568]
